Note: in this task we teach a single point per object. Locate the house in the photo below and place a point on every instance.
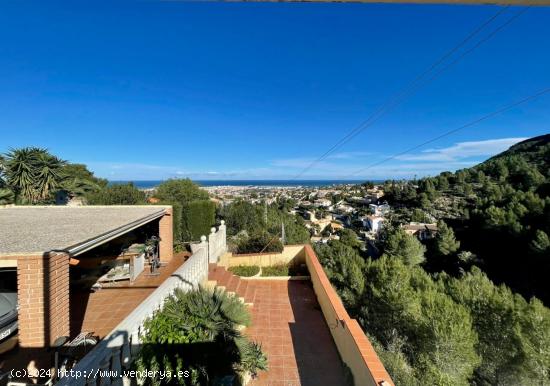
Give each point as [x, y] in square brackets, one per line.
[360, 200]
[47, 244]
[421, 230]
[374, 223]
[379, 210]
[321, 224]
[323, 203]
[343, 208]
[375, 193]
[336, 226]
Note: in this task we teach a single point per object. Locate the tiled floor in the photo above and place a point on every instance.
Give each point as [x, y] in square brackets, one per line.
[287, 321]
[100, 312]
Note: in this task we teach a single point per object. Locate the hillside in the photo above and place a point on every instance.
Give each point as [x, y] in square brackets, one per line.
[499, 211]
[530, 158]
[531, 149]
[448, 310]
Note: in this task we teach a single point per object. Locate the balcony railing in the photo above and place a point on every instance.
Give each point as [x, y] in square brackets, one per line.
[104, 365]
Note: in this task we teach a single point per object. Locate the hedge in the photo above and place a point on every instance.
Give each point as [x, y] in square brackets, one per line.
[197, 219]
[245, 270]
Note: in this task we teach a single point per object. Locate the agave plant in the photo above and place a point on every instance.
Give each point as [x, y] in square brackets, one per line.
[252, 358]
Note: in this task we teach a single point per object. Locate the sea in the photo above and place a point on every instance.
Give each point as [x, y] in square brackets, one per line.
[286, 183]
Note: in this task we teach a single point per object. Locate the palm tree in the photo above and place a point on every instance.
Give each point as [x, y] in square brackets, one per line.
[6, 196]
[32, 173]
[213, 311]
[21, 167]
[79, 187]
[2, 171]
[49, 173]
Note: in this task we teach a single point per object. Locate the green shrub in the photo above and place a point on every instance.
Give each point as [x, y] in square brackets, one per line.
[261, 242]
[117, 194]
[245, 270]
[198, 332]
[276, 270]
[180, 190]
[197, 219]
[282, 269]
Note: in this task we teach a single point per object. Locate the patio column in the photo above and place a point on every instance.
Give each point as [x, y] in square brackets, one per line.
[166, 245]
[43, 292]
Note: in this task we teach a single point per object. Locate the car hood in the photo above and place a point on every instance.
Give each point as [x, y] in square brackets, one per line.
[8, 302]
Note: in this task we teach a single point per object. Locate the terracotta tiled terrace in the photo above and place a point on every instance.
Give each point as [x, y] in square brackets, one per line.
[100, 312]
[287, 321]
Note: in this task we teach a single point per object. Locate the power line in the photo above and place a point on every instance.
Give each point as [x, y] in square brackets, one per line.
[447, 133]
[413, 86]
[416, 84]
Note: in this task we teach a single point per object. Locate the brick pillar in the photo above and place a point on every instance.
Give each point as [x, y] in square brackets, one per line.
[43, 291]
[166, 235]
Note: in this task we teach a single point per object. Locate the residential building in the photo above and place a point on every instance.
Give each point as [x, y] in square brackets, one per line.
[379, 210]
[47, 246]
[323, 203]
[421, 230]
[374, 223]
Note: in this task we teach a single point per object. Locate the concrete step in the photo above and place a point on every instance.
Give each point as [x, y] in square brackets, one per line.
[231, 283]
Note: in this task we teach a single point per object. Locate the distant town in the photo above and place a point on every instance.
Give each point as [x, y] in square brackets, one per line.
[326, 209]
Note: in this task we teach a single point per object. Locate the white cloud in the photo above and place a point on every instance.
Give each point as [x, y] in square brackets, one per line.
[464, 150]
[336, 166]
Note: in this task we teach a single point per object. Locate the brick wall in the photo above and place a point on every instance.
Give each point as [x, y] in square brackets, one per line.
[353, 345]
[166, 235]
[43, 290]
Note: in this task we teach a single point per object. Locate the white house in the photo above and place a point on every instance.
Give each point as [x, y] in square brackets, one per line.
[379, 210]
[375, 223]
[323, 203]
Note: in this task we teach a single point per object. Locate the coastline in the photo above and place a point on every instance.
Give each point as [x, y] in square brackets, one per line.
[148, 185]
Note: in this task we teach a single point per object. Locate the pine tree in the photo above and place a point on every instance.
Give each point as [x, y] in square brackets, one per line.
[404, 247]
[445, 242]
[541, 242]
[535, 323]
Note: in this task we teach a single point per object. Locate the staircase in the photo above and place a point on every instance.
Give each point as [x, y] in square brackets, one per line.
[244, 289]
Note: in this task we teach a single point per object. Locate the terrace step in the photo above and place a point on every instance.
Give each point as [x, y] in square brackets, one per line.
[233, 284]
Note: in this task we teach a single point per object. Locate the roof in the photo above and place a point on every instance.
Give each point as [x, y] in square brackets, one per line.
[33, 230]
[376, 217]
[420, 226]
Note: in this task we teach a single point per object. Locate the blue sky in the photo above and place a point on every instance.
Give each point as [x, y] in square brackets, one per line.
[158, 89]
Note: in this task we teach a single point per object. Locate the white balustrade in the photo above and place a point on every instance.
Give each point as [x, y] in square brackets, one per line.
[217, 243]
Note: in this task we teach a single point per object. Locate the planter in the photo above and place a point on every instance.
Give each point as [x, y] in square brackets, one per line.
[287, 278]
[244, 378]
